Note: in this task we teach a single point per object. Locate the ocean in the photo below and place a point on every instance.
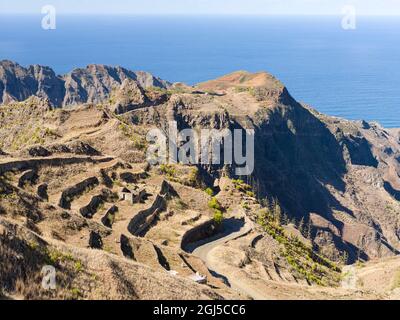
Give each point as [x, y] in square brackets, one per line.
[353, 74]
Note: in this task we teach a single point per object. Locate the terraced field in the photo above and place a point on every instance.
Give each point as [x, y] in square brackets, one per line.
[104, 203]
[77, 193]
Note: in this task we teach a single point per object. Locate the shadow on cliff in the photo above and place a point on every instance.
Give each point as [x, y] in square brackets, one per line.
[296, 158]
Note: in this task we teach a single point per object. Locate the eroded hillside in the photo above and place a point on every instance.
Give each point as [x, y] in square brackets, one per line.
[76, 192]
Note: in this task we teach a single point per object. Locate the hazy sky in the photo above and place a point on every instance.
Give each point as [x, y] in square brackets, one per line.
[368, 7]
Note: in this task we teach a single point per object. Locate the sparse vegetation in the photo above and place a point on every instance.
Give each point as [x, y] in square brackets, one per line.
[209, 191]
[76, 293]
[186, 175]
[181, 205]
[136, 138]
[245, 206]
[250, 90]
[241, 186]
[250, 194]
[25, 279]
[218, 216]
[193, 177]
[214, 204]
[168, 169]
[303, 260]
[218, 210]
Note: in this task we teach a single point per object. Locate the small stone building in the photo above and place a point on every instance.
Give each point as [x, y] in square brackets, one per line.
[135, 196]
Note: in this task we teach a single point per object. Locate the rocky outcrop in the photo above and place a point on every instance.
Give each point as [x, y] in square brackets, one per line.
[89, 210]
[49, 86]
[345, 172]
[75, 147]
[18, 83]
[92, 84]
[29, 176]
[129, 96]
[109, 218]
[38, 151]
[144, 218]
[42, 191]
[76, 190]
[95, 240]
[130, 177]
[198, 233]
[19, 165]
[310, 162]
[144, 251]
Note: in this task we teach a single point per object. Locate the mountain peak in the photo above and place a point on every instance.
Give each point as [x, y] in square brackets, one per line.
[242, 79]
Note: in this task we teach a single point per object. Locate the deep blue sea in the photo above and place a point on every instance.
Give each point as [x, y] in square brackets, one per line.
[348, 73]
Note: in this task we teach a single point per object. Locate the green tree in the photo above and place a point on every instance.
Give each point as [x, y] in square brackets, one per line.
[277, 211]
[309, 229]
[300, 227]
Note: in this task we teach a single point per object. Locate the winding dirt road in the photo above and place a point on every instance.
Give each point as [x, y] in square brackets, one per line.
[233, 229]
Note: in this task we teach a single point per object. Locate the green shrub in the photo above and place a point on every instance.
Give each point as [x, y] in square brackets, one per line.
[245, 206]
[218, 216]
[241, 186]
[193, 178]
[78, 266]
[214, 204]
[209, 191]
[250, 194]
[76, 293]
[168, 170]
[237, 181]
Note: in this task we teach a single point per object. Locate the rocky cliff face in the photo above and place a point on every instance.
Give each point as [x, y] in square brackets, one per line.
[92, 84]
[339, 176]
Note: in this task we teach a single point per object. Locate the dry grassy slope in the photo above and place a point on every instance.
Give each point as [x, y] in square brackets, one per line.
[380, 276]
[117, 162]
[340, 176]
[242, 79]
[82, 273]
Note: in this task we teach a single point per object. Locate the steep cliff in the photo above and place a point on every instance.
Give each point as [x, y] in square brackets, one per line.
[341, 177]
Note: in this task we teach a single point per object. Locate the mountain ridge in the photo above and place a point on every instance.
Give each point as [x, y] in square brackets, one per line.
[92, 84]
